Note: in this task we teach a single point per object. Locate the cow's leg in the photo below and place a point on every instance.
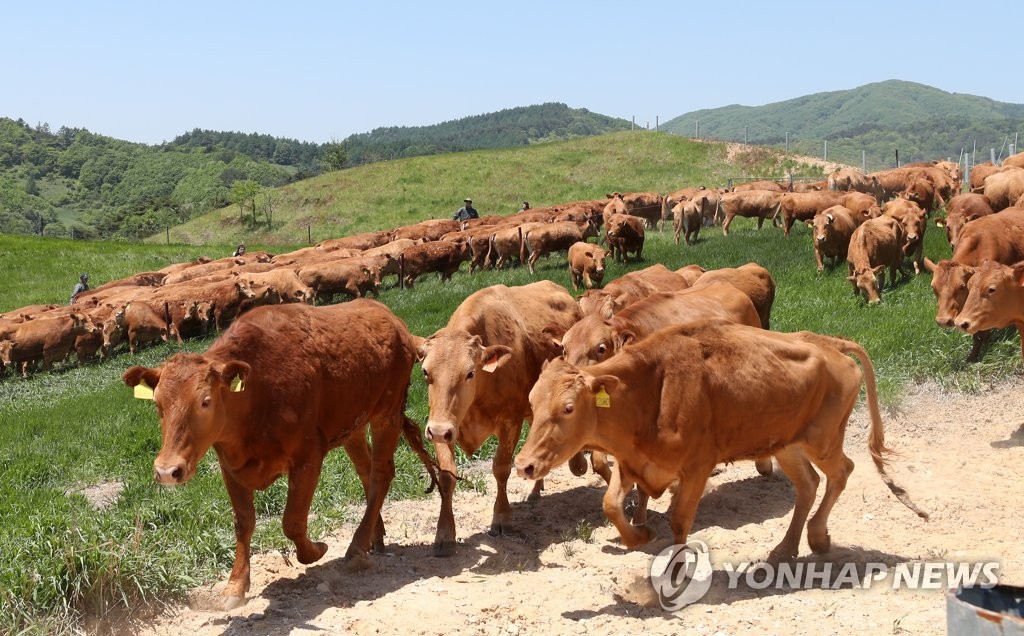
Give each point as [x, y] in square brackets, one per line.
[302, 480]
[837, 468]
[760, 222]
[244, 511]
[630, 535]
[359, 452]
[726, 223]
[640, 512]
[1020, 332]
[684, 502]
[444, 541]
[501, 468]
[794, 463]
[382, 473]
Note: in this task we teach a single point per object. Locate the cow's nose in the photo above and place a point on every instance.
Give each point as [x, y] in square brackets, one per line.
[441, 433]
[944, 321]
[527, 471]
[964, 325]
[168, 475]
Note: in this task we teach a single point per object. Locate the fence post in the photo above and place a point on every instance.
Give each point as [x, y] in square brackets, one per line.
[826, 150]
[992, 155]
[309, 235]
[744, 135]
[657, 125]
[787, 141]
[696, 129]
[863, 162]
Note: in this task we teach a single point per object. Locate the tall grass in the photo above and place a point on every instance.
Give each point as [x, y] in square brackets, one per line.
[62, 558]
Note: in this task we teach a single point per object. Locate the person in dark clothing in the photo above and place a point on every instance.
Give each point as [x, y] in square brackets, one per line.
[526, 206]
[81, 286]
[240, 250]
[466, 212]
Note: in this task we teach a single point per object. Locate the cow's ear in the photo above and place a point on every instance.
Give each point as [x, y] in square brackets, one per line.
[878, 270]
[494, 356]
[136, 375]
[607, 311]
[234, 373]
[930, 265]
[597, 382]
[626, 337]
[558, 347]
[1018, 273]
[851, 278]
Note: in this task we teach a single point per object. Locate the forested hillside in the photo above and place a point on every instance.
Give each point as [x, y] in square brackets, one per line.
[78, 184]
[503, 129]
[872, 121]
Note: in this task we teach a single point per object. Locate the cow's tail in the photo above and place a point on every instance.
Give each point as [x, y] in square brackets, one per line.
[401, 271]
[876, 437]
[415, 439]
[664, 210]
[778, 209]
[522, 246]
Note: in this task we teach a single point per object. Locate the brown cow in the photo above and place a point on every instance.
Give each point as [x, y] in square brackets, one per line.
[1004, 188]
[479, 369]
[430, 230]
[144, 323]
[437, 256]
[1016, 161]
[177, 267]
[364, 241]
[624, 233]
[555, 237]
[478, 240]
[851, 180]
[690, 215]
[646, 205]
[752, 279]
[288, 284]
[914, 221]
[198, 271]
[832, 230]
[922, 192]
[875, 245]
[995, 299]
[962, 209]
[506, 242]
[351, 276]
[997, 237]
[759, 204]
[631, 287]
[674, 405]
[586, 265]
[47, 339]
[861, 204]
[763, 184]
[282, 387]
[803, 206]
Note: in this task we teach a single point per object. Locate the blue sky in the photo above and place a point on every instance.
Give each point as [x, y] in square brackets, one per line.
[316, 71]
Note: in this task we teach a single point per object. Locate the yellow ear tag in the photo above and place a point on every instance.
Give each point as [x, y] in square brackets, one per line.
[237, 385]
[603, 400]
[143, 391]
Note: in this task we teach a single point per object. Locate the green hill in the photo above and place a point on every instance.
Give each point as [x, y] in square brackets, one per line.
[503, 129]
[394, 193]
[922, 122]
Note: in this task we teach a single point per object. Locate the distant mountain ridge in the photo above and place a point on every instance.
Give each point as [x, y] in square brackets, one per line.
[921, 121]
[506, 128]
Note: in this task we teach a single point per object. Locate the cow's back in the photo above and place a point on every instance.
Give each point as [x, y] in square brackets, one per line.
[998, 237]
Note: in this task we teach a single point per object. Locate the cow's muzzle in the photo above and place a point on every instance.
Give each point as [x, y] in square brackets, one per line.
[169, 475]
[441, 432]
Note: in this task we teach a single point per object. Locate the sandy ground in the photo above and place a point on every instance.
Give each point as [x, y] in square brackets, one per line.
[961, 459]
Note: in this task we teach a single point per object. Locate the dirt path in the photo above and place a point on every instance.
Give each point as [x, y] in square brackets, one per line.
[962, 458]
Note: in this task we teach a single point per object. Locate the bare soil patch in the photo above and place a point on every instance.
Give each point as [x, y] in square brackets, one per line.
[961, 459]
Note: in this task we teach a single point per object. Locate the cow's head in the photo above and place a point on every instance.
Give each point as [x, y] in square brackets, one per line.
[914, 224]
[564, 401]
[866, 281]
[949, 283]
[991, 296]
[589, 341]
[195, 398]
[6, 348]
[454, 362]
[821, 225]
[597, 257]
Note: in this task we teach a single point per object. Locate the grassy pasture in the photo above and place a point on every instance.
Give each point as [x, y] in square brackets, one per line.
[63, 559]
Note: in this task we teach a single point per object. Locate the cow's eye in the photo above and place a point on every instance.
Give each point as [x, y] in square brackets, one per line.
[991, 290]
[206, 401]
[469, 376]
[568, 408]
[426, 376]
[601, 348]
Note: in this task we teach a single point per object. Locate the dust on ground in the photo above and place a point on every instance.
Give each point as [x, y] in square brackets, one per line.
[961, 459]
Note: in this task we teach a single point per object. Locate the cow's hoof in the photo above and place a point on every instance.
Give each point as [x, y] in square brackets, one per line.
[312, 556]
[781, 554]
[444, 548]
[504, 530]
[228, 603]
[820, 544]
[578, 465]
[641, 535]
[357, 561]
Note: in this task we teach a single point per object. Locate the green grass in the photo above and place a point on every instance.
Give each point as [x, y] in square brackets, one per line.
[62, 560]
[394, 193]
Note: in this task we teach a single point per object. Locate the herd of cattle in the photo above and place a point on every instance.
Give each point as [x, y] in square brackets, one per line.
[660, 369]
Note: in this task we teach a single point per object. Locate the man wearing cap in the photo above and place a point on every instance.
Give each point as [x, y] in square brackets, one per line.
[81, 286]
[466, 212]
